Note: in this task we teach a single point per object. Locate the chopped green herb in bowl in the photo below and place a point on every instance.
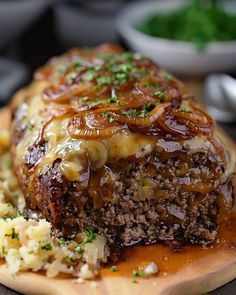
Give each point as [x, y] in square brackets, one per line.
[186, 37]
[199, 22]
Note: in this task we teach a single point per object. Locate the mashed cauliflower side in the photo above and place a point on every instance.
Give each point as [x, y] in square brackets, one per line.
[27, 244]
[30, 244]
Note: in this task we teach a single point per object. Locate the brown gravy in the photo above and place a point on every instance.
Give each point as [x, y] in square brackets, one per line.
[170, 261]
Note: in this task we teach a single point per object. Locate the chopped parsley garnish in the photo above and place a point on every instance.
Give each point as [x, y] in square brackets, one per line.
[185, 110]
[130, 112]
[103, 80]
[153, 84]
[45, 245]
[97, 68]
[143, 274]
[160, 94]
[18, 214]
[70, 78]
[135, 273]
[144, 114]
[13, 235]
[127, 56]
[107, 56]
[89, 75]
[76, 65]
[146, 109]
[82, 99]
[125, 67]
[92, 104]
[79, 249]
[113, 99]
[90, 236]
[60, 70]
[114, 268]
[69, 259]
[121, 78]
[62, 241]
[105, 115]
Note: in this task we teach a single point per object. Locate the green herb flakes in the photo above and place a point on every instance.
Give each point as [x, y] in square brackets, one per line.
[79, 249]
[185, 110]
[143, 274]
[125, 68]
[121, 78]
[160, 94]
[130, 112]
[105, 115]
[13, 235]
[114, 268]
[146, 109]
[62, 242]
[45, 245]
[70, 78]
[89, 75]
[199, 22]
[103, 80]
[82, 99]
[90, 236]
[113, 100]
[135, 273]
[18, 214]
[60, 70]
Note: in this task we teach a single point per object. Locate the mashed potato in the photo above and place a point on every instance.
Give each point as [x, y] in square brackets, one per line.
[28, 244]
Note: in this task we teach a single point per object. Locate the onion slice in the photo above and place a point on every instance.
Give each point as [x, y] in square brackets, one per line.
[91, 126]
[93, 133]
[152, 117]
[63, 93]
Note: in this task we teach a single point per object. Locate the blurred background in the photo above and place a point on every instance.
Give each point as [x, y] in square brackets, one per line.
[194, 39]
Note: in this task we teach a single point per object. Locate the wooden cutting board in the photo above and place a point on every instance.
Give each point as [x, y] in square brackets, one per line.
[202, 272]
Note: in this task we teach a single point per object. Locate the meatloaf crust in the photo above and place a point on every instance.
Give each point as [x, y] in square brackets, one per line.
[105, 139]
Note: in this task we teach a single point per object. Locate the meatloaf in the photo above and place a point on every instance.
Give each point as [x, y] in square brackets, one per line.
[106, 140]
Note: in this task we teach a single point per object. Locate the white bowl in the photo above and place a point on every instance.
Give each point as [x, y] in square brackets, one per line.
[176, 56]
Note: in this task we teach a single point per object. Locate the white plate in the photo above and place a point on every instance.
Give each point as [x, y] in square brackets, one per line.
[176, 56]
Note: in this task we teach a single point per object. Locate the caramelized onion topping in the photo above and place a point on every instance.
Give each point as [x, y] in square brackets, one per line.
[106, 91]
[91, 126]
[150, 119]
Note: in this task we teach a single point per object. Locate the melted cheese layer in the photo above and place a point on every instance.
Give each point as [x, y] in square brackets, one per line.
[76, 154]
